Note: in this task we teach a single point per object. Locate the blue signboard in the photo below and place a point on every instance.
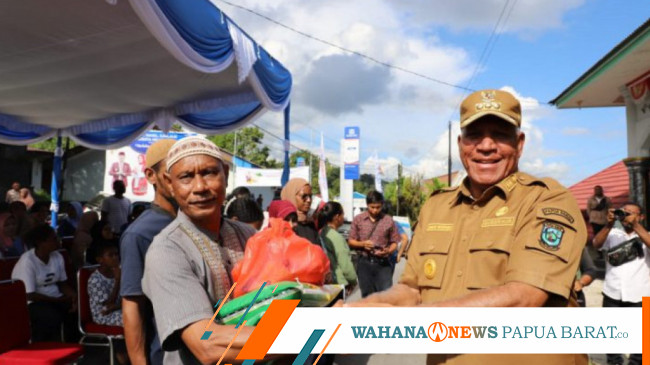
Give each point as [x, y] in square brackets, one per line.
[352, 133]
[351, 172]
[142, 144]
[351, 160]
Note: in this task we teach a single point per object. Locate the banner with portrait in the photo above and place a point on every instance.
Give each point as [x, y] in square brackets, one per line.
[128, 164]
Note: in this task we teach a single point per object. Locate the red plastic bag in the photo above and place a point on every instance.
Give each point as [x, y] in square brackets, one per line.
[277, 254]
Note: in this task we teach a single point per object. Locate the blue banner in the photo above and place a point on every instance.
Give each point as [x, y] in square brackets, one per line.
[142, 144]
[352, 172]
[352, 133]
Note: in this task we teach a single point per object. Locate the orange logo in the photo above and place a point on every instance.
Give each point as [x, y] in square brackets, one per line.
[438, 332]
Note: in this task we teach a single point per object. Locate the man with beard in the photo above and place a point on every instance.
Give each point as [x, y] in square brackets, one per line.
[627, 280]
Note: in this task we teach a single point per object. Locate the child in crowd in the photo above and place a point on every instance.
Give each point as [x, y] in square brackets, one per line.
[103, 286]
[285, 210]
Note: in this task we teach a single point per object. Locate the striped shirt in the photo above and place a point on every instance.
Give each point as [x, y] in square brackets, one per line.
[382, 236]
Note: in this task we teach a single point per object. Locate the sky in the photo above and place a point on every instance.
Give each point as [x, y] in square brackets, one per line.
[536, 51]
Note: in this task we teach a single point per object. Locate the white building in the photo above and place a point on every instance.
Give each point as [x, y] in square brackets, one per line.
[622, 79]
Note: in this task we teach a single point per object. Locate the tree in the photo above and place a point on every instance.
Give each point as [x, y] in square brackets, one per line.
[364, 184]
[411, 197]
[434, 185]
[249, 146]
[50, 144]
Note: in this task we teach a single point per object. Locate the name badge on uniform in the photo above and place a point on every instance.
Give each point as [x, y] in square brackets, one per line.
[440, 227]
[498, 222]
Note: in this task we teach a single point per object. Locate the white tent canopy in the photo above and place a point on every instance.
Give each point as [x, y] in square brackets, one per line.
[89, 66]
[104, 71]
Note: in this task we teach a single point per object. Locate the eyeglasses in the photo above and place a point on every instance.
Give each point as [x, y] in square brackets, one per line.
[305, 196]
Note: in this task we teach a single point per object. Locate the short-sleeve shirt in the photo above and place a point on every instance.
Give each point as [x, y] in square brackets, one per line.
[134, 243]
[179, 282]
[383, 235]
[629, 282]
[99, 289]
[118, 212]
[12, 196]
[523, 229]
[38, 276]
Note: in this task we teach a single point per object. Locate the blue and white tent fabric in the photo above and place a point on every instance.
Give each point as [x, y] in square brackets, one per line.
[104, 71]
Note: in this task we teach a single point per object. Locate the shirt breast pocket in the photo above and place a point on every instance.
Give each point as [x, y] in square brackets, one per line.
[433, 255]
[488, 259]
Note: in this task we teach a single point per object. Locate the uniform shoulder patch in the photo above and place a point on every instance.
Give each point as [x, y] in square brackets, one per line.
[558, 212]
[551, 236]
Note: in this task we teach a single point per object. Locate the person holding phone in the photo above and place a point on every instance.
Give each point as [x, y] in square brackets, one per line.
[375, 236]
[627, 276]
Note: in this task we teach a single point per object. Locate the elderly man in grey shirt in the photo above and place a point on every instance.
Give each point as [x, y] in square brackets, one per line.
[187, 267]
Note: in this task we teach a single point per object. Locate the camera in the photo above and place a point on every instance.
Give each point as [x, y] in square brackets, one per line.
[620, 214]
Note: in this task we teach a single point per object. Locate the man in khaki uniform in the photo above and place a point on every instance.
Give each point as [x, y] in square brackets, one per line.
[503, 238]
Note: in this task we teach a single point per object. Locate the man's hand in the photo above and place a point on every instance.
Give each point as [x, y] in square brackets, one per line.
[577, 286]
[366, 305]
[399, 295]
[386, 251]
[368, 245]
[210, 351]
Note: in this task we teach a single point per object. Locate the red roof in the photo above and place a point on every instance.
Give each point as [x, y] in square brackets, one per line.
[615, 181]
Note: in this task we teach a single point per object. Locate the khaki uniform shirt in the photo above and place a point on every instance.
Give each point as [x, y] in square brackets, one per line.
[523, 229]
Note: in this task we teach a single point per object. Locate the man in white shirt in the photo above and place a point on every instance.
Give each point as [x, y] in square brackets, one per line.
[626, 281]
[42, 271]
[115, 208]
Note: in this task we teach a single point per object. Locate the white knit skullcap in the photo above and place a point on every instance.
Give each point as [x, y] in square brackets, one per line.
[190, 146]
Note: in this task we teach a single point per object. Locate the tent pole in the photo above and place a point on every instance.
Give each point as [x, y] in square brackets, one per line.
[287, 144]
[56, 177]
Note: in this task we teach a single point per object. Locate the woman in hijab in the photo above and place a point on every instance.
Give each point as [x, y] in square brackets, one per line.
[83, 238]
[298, 192]
[26, 197]
[69, 225]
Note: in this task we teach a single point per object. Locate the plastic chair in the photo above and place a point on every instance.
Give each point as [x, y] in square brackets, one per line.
[7, 266]
[69, 268]
[87, 327]
[15, 333]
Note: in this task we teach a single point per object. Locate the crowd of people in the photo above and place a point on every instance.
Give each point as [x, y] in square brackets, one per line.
[501, 238]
